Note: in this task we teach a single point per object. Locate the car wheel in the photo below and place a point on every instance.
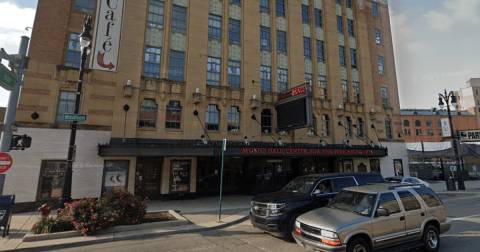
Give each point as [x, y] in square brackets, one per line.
[291, 227]
[358, 245]
[431, 239]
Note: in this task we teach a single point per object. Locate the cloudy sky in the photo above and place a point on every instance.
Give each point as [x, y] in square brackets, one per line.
[436, 42]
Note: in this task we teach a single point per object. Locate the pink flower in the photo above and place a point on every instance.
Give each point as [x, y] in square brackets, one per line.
[118, 211]
[133, 205]
[89, 197]
[82, 223]
[133, 221]
[72, 219]
[104, 218]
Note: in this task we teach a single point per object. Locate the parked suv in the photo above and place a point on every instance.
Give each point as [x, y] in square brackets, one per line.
[276, 212]
[375, 217]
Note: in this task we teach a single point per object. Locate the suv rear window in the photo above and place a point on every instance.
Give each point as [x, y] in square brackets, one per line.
[430, 198]
[340, 183]
[409, 201]
[369, 178]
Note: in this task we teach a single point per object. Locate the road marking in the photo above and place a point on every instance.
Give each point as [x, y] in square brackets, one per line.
[466, 217]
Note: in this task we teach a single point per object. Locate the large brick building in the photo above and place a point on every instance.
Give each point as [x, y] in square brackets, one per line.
[227, 60]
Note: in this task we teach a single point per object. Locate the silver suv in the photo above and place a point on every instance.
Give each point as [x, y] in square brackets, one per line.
[375, 217]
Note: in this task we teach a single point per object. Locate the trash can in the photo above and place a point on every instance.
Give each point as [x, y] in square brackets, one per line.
[450, 184]
[6, 208]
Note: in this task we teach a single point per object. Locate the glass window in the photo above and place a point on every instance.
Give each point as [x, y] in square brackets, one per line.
[381, 65]
[116, 173]
[430, 132]
[265, 6]
[173, 117]
[264, 38]
[322, 87]
[418, 123]
[156, 11]
[318, 18]
[52, 177]
[148, 114]
[439, 123]
[72, 58]
[151, 63]
[429, 123]
[430, 198]
[320, 51]
[345, 91]
[359, 127]
[384, 97]
[418, 132]
[338, 2]
[305, 18]
[409, 201]
[282, 41]
[388, 201]
[234, 74]
[280, 6]
[235, 2]
[342, 56]
[233, 124]
[356, 92]
[87, 6]
[215, 27]
[375, 9]
[282, 80]
[66, 105]
[407, 132]
[388, 129]
[325, 125]
[351, 30]
[406, 123]
[378, 36]
[340, 183]
[353, 57]
[213, 71]
[311, 131]
[339, 24]
[348, 3]
[267, 121]
[212, 118]
[179, 19]
[348, 127]
[307, 51]
[439, 132]
[177, 64]
[234, 32]
[308, 77]
[266, 78]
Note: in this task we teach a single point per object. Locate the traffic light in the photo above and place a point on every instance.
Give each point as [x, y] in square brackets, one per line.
[20, 142]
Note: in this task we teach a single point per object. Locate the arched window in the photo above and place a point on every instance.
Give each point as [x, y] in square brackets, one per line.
[429, 123]
[406, 123]
[418, 123]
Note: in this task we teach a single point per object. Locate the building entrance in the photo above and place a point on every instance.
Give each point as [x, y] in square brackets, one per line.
[147, 177]
[208, 176]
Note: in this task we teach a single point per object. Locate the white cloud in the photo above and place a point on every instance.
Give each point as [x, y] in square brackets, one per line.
[438, 21]
[455, 11]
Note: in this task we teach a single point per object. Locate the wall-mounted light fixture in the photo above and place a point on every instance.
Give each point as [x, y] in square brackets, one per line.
[254, 102]
[35, 115]
[280, 142]
[197, 97]
[372, 113]
[128, 89]
[245, 139]
[204, 140]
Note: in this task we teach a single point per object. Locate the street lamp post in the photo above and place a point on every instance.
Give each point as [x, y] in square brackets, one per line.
[446, 97]
[85, 40]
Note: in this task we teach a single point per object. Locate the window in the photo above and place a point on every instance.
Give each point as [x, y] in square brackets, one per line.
[173, 117]
[280, 6]
[388, 129]
[418, 132]
[381, 66]
[406, 123]
[342, 56]
[308, 77]
[345, 91]
[52, 177]
[430, 132]
[234, 74]
[339, 24]
[177, 64]
[266, 78]
[311, 131]
[476, 91]
[359, 127]
[179, 19]
[282, 41]
[307, 51]
[148, 114]
[305, 18]
[325, 125]
[233, 124]
[265, 6]
[439, 132]
[418, 123]
[87, 6]
[348, 127]
[235, 2]
[388, 201]
[320, 51]
[348, 3]
[340, 183]
[282, 80]
[338, 2]
[151, 63]
[322, 87]
[318, 18]
[213, 71]
[156, 11]
[356, 92]
[430, 198]
[351, 30]
[115, 175]
[72, 58]
[375, 9]
[234, 32]
[409, 201]
[264, 38]
[378, 36]
[478, 102]
[212, 118]
[353, 57]
[429, 123]
[215, 27]
[407, 132]
[66, 104]
[267, 121]
[384, 97]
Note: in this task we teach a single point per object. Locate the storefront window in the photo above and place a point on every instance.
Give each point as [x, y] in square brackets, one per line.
[375, 165]
[115, 175]
[52, 176]
[180, 176]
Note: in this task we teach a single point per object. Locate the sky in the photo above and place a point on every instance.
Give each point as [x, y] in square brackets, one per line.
[436, 44]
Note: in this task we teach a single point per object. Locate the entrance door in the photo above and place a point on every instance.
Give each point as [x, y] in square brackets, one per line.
[147, 177]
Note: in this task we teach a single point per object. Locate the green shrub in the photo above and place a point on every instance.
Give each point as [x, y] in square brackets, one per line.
[51, 225]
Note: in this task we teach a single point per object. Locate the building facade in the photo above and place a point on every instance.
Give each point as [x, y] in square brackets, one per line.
[168, 80]
[469, 97]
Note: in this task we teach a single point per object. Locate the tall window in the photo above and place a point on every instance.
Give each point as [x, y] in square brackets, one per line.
[52, 177]
[384, 97]
[264, 6]
[156, 11]
[308, 77]
[212, 118]
[280, 7]
[348, 127]
[406, 123]
[430, 132]
[266, 78]
[234, 32]
[353, 57]
[148, 114]
[325, 125]
[173, 117]
[351, 30]
[72, 58]
[378, 36]
[282, 80]
[307, 51]
[345, 91]
[235, 2]
[356, 92]
[66, 105]
[439, 123]
[342, 56]
[267, 121]
[234, 74]
[348, 3]
[151, 63]
[233, 123]
[87, 6]
[176, 66]
[322, 87]
[407, 132]
[359, 127]
[282, 42]
[213, 71]
[320, 51]
[179, 19]
[381, 66]
[215, 27]
[318, 18]
[264, 38]
[429, 123]
[388, 129]
[418, 123]
[339, 24]
[311, 131]
[305, 18]
[375, 9]
[418, 132]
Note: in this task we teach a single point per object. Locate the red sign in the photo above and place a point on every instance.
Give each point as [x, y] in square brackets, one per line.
[295, 151]
[293, 92]
[6, 161]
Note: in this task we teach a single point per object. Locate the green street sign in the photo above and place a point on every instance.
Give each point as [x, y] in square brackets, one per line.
[7, 78]
[74, 117]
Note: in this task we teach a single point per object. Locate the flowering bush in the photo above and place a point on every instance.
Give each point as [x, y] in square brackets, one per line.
[127, 209]
[44, 210]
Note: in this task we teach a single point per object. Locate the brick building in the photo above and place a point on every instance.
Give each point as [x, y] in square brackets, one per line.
[227, 60]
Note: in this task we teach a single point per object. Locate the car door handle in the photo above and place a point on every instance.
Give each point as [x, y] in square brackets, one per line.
[422, 214]
[402, 218]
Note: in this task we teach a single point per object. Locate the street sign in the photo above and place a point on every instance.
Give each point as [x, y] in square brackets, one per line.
[7, 78]
[6, 162]
[470, 135]
[21, 141]
[453, 168]
[75, 117]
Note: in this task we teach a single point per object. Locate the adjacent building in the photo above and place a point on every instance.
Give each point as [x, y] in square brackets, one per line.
[469, 97]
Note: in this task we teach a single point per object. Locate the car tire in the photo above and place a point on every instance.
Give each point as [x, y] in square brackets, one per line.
[358, 245]
[431, 239]
[291, 227]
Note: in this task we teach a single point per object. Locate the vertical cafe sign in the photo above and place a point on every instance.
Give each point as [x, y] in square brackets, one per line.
[107, 35]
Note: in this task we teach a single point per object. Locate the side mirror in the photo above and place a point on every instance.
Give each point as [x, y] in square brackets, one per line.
[382, 211]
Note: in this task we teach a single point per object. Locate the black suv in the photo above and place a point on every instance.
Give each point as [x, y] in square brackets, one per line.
[276, 212]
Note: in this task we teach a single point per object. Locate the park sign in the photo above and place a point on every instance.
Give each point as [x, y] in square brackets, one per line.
[75, 117]
[7, 78]
[470, 135]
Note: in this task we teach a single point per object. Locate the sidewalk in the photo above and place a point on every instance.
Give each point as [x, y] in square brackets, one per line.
[201, 213]
[440, 187]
